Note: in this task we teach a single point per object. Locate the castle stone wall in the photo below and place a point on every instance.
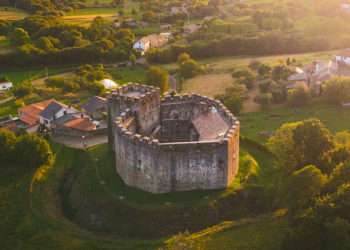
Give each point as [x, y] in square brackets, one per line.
[161, 167]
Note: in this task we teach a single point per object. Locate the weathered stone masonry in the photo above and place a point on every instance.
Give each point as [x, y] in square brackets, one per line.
[179, 143]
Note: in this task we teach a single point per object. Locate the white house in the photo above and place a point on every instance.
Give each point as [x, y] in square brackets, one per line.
[142, 46]
[343, 57]
[5, 85]
[54, 111]
[152, 41]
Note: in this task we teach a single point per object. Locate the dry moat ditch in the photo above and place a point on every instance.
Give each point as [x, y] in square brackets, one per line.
[94, 197]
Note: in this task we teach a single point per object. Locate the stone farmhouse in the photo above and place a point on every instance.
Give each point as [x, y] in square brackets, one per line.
[174, 143]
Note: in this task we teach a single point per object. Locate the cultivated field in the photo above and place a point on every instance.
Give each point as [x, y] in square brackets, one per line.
[10, 14]
[208, 85]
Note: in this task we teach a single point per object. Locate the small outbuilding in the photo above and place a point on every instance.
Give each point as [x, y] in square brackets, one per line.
[5, 85]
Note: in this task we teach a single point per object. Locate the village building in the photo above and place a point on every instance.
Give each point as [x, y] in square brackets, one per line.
[151, 41]
[191, 28]
[95, 107]
[5, 85]
[42, 113]
[54, 111]
[313, 75]
[343, 57]
[78, 126]
[30, 114]
[11, 123]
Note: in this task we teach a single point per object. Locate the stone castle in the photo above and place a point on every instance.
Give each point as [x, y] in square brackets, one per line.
[174, 143]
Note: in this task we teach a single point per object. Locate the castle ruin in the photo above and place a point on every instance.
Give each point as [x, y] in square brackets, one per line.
[177, 143]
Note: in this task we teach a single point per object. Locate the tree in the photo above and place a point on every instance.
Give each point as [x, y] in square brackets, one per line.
[190, 68]
[280, 72]
[264, 70]
[340, 175]
[132, 59]
[19, 37]
[23, 90]
[302, 143]
[233, 98]
[183, 57]
[337, 90]
[244, 76]
[299, 96]
[158, 77]
[264, 99]
[304, 185]
[313, 141]
[149, 16]
[7, 145]
[34, 151]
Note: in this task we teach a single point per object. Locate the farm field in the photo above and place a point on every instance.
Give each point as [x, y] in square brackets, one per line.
[10, 14]
[83, 17]
[208, 84]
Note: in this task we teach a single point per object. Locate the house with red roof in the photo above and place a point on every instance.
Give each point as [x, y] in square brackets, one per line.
[30, 114]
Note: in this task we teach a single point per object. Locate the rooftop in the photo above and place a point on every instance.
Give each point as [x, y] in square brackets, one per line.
[82, 124]
[30, 114]
[94, 104]
[52, 109]
[210, 125]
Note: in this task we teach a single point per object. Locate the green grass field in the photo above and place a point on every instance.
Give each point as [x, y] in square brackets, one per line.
[335, 118]
[18, 76]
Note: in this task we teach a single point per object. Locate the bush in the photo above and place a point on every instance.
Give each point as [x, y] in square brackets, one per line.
[264, 99]
[23, 90]
[299, 96]
[337, 90]
[158, 77]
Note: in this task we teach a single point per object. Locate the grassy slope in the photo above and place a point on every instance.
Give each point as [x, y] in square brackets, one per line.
[40, 224]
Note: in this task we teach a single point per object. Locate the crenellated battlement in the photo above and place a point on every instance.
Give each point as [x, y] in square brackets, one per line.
[203, 156]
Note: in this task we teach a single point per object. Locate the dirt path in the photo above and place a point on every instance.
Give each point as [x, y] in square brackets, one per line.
[41, 81]
[6, 100]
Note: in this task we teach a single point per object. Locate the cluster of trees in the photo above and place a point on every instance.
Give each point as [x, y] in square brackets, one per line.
[188, 67]
[315, 184]
[272, 20]
[266, 43]
[87, 77]
[48, 40]
[337, 90]
[233, 97]
[158, 77]
[27, 151]
[44, 7]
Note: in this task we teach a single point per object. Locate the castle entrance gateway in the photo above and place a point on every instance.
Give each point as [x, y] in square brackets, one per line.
[177, 143]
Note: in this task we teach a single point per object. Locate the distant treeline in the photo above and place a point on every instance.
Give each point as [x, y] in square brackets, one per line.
[265, 44]
[75, 55]
[44, 6]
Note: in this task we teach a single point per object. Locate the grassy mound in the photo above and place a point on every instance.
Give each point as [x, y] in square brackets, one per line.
[83, 185]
